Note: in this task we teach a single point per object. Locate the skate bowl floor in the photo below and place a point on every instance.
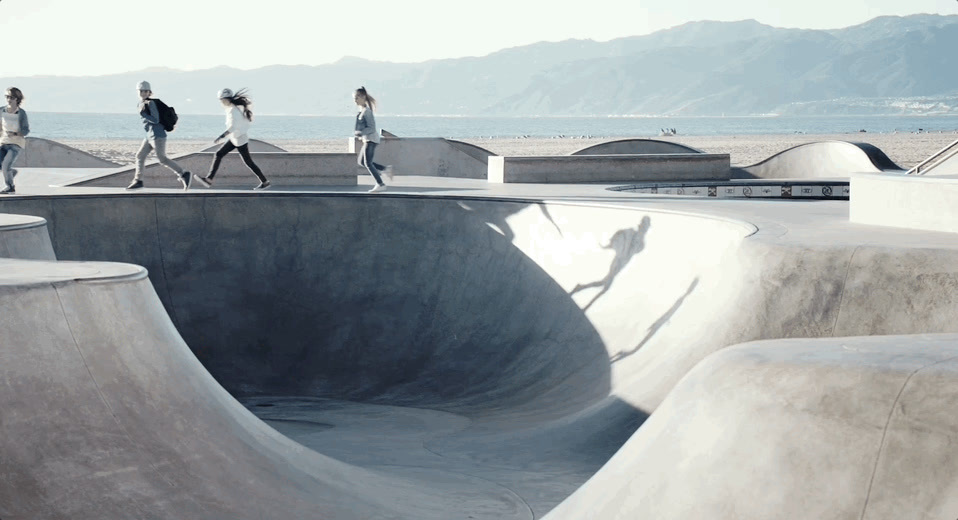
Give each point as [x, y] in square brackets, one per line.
[341, 356]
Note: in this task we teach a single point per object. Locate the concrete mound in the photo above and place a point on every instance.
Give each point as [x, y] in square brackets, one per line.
[44, 153]
[825, 159]
[635, 146]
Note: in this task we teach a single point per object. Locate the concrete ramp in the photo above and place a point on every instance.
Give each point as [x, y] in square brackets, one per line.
[44, 153]
[825, 159]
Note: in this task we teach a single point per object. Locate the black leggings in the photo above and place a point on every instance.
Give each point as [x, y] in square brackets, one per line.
[228, 147]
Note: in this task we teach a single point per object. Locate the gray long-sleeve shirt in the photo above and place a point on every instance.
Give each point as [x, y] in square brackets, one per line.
[366, 125]
[151, 120]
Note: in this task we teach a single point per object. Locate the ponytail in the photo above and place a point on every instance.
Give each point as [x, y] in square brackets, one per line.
[370, 101]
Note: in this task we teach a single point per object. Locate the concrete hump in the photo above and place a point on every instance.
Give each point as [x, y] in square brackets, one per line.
[255, 145]
[843, 428]
[476, 152]
[44, 153]
[823, 159]
[635, 146]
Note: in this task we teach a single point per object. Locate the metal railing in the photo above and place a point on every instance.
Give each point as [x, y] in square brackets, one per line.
[939, 157]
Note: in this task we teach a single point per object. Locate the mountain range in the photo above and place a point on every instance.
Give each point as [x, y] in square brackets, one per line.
[889, 65]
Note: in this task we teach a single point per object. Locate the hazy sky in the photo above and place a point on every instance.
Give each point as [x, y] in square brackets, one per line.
[93, 37]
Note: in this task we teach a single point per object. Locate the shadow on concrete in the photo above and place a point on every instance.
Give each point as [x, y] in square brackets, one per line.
[498, 218]
[656, 325]
[626, 243]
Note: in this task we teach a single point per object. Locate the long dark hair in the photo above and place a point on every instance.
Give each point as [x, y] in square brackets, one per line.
[240, 99]
[370, 101]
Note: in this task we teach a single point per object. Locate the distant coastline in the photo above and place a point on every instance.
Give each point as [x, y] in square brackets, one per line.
[82, 126]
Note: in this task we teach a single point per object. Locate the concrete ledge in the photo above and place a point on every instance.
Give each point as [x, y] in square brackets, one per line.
[746, 189]
[911, 202]
[609, 168]
[281, 168]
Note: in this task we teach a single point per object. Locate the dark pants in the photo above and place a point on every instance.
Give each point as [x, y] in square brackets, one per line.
[228, 147]
[366, 160]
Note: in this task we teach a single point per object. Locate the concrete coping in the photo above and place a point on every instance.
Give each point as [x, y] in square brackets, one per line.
[12, 222]
[26, 273]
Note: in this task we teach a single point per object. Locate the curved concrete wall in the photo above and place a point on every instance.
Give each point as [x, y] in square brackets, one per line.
[821, 159]
[44, 153]
[107, 414]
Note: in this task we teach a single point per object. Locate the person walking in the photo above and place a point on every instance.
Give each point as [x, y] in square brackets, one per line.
[366, 129]
[155, 140]
[239, 117]
[14, 127]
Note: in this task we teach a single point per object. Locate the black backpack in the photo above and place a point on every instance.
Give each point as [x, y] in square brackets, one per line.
[168, 117]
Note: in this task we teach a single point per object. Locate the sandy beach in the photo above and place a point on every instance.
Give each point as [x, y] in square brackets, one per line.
[905, 149]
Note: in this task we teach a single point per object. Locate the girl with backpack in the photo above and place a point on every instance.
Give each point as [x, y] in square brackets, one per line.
[155, 139]
[238, 120]
[366, 129]
[14, 127]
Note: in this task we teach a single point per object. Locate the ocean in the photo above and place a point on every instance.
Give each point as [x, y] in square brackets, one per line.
[127, 126]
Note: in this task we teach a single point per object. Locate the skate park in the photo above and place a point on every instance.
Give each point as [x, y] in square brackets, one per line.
[457, 347]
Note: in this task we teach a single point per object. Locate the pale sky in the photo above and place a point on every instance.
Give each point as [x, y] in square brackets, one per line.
[94, 37]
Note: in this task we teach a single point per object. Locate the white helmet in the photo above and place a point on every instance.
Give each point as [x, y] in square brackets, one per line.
[144, 85]
[224, 93]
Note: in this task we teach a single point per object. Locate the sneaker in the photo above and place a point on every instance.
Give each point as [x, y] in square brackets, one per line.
[205, 181]
[262, 186]
[135, 185]
[376, 188]
[388, 171]
[8, 189]
[186, 178]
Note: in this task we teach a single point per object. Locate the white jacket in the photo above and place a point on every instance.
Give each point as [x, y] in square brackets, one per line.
[237, 125]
